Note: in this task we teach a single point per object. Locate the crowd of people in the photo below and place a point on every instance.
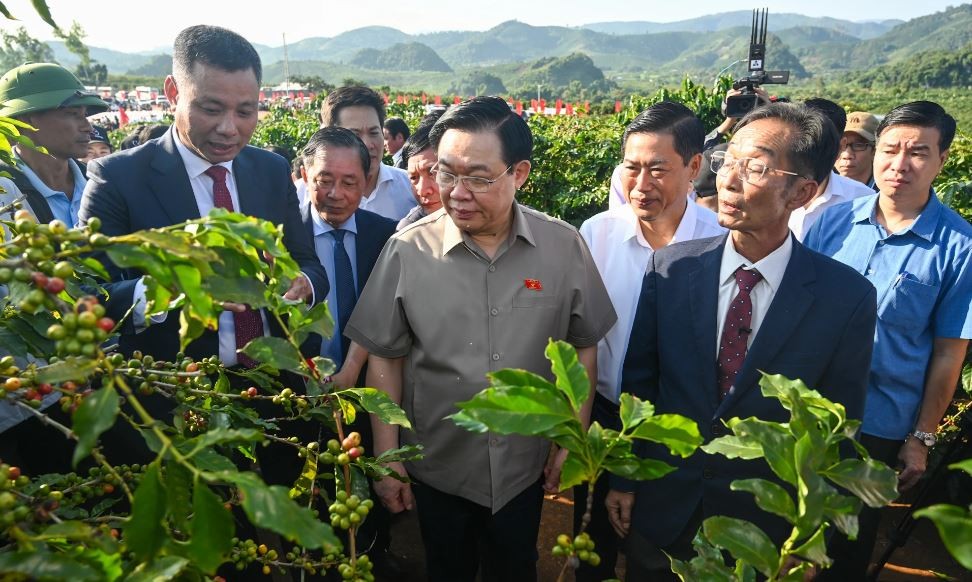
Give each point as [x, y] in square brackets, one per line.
[803, 241]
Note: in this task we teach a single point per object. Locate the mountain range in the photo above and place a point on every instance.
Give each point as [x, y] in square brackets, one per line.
[807, 46]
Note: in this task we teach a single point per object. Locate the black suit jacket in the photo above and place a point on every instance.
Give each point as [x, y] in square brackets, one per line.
[819, 328]
[374, 231]
[147, 187]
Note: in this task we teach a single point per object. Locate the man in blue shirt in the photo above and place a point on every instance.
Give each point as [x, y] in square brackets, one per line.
[918, 255]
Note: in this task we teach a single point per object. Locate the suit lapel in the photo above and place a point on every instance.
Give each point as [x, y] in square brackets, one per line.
[170, 182]
[365, 250]
[704, 305]
[252, 200]
[785, 313]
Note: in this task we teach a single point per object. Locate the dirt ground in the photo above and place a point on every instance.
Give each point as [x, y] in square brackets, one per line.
[922, 558]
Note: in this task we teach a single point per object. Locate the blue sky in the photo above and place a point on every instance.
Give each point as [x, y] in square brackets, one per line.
[141, 25]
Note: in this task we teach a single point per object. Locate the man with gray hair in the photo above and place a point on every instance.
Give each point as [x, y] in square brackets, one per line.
[716, 312]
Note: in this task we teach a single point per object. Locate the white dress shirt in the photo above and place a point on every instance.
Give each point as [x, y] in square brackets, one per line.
[324, 245]
[772, 267]
[392, 197]
[622, 254]
[839, 189]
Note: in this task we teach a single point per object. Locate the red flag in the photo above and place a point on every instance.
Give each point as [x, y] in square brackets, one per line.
[154, 95]
[519, 108]
[543, 104]
[617, 107]
[457, 100]
[385, 97]
[425, 98]
[122, 117]
[400, 99]
[300, 95]
[263, 96]
[534, 104]
[438, 99]
[587, 107]
[570, 109]
[558, 106]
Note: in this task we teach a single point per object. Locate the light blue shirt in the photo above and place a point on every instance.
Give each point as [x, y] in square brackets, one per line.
[324, 245]
[923, 277]
[62, 208]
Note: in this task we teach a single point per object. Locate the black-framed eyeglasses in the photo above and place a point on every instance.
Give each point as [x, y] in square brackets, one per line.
[474, 184]
[856, 146]
[751, 170]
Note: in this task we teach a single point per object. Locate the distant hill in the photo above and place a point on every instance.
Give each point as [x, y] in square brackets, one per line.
[935, 68]
[159, 66]
[949, 30]
[778, 22]
[410, 56]
[116, 61]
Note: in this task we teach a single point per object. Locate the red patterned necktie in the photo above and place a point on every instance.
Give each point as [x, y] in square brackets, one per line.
[736, 331]
[249, 324]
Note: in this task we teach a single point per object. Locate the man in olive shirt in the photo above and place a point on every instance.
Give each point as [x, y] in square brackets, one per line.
[476, 287]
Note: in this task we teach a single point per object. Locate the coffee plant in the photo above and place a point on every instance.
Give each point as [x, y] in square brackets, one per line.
[954, 523]
[174, 516]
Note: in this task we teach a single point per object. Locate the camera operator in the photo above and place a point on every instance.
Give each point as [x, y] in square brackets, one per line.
[715, 137]
[835, 188]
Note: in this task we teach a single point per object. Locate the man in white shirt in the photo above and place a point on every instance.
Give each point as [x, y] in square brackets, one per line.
[833, 189]
[714, 313]
[388, 191]
[662, 150]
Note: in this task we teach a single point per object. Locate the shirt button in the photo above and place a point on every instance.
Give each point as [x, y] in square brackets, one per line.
[494, 311]
[495, 357]
[870, 271]
[493, 442]
[492, 268]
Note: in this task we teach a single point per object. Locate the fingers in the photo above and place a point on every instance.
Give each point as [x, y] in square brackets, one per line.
[408, 500]
[619, 511]
[909, 477]
[234, 307]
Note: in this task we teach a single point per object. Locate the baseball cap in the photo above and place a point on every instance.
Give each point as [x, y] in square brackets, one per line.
[98, 133]
[863, 124]
[42, 86]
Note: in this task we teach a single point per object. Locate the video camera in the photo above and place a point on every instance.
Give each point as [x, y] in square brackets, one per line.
[739, 105]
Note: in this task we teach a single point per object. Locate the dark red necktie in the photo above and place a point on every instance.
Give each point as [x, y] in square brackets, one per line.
[736, 331]
[249, 324]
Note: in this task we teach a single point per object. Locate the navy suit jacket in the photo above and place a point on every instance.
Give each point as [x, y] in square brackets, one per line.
[374, 231]
[147, 187]
[819, 328]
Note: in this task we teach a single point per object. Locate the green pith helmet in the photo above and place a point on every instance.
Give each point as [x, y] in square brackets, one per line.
[42, 86]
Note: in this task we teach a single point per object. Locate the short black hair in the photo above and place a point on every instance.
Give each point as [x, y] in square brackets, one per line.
[419, 141]
[812, 148]
[674, 119]
[488, 114]
[350, 96]
[215, 46]
[296, 164]
[282, 152]
[835, 113]
[336, 137]
[397, 126]
[922, 114]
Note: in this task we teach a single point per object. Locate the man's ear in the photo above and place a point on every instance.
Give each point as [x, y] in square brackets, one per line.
[695, 164]
[521, 171]
[805, 189]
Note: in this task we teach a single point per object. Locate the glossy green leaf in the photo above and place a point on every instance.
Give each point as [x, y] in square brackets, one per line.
[270, 507]
[769, 497]
[744, 541]
[514, 410]
[66, 530]
[842, 511]
[222, 436]
[954, 525]
[775, 440]
[276, 352]
[571, 376]
[734, 447]
[144, 533]
[965, 465]
[40, 6]
[634, 410]
[515, 377]
[211, 529]
[75, 369]
[872, 481]
[316, 320]
[638, 469]
[815, 548]
[178, 490]
[164, 568]
[238, 290]
[305, 481]
[678, 433]
[573, 472]
[94, 416]
[45, 566]
[379, 404]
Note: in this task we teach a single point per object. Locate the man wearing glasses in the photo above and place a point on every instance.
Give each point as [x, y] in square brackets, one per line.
[856, 160]
[454, 296]
[716, 312]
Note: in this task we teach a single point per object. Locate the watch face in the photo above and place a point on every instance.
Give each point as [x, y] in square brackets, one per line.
[929, 441]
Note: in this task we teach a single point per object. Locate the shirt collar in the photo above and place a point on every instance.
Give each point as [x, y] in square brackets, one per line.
[321, 226]
[384, 175]
[453, 236]
[44, 189]
[923, 226]
[195, 165]
[772, 267]
[684, 231]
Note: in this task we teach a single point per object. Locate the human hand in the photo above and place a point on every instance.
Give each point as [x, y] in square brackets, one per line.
[342, 379]
[395, 495]
[619, 504]
[914, 460]
[234, 307]
[300, 289]
[551, 472]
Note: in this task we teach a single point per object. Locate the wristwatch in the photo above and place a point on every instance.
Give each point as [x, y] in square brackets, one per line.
[926, 438]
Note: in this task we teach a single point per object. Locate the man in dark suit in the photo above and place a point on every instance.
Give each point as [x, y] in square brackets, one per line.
[202, 162]
[714, 313]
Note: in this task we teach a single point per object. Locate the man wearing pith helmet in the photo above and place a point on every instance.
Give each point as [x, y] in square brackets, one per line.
[55, 104]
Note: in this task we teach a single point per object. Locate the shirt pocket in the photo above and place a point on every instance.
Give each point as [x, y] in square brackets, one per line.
[527, 299]
[909, 303]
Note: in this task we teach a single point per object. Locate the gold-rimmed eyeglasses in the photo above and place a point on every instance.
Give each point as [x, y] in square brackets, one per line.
[750, 170]
[474, 184]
